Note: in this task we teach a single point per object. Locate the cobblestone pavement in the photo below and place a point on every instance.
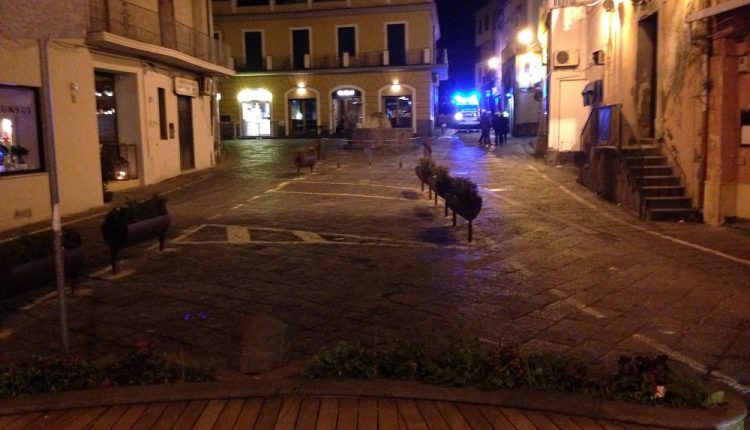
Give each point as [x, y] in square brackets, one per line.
[356, 251]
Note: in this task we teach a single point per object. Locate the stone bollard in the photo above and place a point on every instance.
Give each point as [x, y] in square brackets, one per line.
[259, 344]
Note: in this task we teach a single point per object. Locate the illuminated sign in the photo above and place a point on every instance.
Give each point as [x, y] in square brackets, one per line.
[346, 92]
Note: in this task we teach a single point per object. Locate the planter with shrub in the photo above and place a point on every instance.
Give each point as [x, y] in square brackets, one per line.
[463, 199]
[28, 261]
[424, 170]
[306, 157]
[134, 223]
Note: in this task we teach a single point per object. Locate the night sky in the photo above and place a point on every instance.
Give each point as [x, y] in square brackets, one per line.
[457, 35]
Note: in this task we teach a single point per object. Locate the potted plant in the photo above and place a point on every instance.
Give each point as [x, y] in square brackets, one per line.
[463, 198]
[424, 170]
[306, 157]
[27, 261]
[134, 223]
[442, 182]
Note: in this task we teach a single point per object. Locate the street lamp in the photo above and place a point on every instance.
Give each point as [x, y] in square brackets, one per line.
[493, 63]
[525, 36]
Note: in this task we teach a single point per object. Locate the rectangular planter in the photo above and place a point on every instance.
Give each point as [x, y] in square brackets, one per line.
[41, 272]
[138, 232]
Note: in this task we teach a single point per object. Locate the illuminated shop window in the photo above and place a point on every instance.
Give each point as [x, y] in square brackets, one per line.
[398, 109]
[256, 112]
[20, 146]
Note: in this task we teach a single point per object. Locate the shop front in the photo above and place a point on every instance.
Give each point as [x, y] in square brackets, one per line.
[347, 110]
[399, 110]
[20, 143]
[303, 117]
[255, 106]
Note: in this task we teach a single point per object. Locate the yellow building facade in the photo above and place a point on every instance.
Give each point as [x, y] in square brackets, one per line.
[130, 86]
[310, 67]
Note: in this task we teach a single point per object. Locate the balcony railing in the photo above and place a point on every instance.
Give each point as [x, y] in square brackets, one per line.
[135, 22]
[333, 61]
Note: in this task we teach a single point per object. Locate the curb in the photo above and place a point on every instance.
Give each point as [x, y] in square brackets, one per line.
[727, 416]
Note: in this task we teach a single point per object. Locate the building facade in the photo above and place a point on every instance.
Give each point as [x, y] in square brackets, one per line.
[511, 73]
[677, 76]
[130, 86]
[308, 67]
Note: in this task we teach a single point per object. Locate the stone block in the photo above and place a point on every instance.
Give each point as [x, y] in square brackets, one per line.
[259, 344]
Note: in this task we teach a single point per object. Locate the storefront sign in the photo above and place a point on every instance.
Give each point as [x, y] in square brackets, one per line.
[186, 87]
[345, 93]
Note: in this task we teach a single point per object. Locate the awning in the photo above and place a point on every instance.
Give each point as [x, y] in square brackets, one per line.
[717, 10]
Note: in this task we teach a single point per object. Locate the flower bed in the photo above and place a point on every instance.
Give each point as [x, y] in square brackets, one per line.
[645, 380]
[47, 375]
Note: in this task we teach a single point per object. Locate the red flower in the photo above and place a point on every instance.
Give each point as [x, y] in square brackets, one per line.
[143, 345]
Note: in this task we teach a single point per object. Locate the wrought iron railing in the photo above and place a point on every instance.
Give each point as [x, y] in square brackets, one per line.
[333, 61]
[135, 22]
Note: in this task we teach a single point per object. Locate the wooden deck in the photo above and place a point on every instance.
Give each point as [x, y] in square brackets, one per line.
[313, 413]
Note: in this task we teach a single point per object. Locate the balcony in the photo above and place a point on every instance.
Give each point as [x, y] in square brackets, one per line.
[376, 59]
[126, 27]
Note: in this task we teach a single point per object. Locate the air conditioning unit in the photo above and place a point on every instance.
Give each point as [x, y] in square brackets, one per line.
[207, 86]
[744, 64]
[567, 58]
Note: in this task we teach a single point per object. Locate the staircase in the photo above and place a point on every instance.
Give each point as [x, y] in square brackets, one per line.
[663, 194]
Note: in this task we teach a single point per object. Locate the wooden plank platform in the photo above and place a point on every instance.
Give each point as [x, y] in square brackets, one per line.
[334, 413]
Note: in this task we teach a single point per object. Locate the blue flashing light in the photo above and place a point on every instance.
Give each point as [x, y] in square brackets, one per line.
[465, 99]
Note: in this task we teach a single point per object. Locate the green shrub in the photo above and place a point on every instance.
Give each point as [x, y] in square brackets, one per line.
[34, 247]
[469, 363]
[425, 168]
[141, 367]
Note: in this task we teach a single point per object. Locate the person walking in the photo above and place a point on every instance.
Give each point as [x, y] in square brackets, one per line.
[504, 126]
[497, 127]
[485, 124]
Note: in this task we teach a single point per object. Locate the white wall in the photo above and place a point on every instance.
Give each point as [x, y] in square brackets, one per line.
[567, 114]
[25, 198]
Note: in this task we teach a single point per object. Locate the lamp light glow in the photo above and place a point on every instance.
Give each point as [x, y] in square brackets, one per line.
[526, 36]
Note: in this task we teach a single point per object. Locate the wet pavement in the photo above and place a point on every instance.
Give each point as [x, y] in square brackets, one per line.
[356, 251]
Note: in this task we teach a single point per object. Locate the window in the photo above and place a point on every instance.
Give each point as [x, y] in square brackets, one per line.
[300, 47]
[253, 51]
[479, 27]
[486, 22]
[396, 34]
[398, 109]
[20, 146]
[163, 133]
[241, 3]
[347, 41]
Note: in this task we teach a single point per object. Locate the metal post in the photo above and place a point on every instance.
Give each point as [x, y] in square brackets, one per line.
[49, 150]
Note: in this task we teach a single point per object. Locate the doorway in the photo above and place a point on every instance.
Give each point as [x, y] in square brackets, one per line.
[347, 110]
[646, 75]
[399, 110]
[303, 117]
[185, 124]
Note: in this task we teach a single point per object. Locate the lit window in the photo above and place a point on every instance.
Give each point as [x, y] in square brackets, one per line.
[20, 145]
